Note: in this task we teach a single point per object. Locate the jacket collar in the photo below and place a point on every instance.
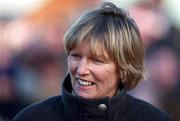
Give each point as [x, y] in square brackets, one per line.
[78, 108]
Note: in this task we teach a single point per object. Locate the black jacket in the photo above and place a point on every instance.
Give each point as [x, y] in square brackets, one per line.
[67, 107]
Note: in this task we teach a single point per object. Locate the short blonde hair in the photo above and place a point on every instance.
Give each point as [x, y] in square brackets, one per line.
[118, 33]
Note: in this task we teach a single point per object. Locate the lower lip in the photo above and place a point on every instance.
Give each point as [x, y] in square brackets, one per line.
[84, 87]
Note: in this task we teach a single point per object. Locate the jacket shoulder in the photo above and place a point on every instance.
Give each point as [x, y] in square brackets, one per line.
[46, 110]
[141, 110]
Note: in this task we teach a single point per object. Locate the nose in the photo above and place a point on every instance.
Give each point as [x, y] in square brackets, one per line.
[82, 68]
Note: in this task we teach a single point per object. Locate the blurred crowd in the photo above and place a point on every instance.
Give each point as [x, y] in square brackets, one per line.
[33, 62]
[161, 40]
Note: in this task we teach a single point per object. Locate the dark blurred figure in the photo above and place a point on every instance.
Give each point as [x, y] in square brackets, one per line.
[9, 102]
[28, 77]
[160, 88]
[38, 73]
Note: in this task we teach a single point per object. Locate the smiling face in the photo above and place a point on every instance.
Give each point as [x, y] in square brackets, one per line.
[92, 75]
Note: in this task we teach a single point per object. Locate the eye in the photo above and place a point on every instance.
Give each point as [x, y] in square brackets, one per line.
[75, 55]
[97, 60]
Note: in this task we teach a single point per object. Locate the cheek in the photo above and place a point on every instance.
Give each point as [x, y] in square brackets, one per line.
[72, 66]
[108, 73]
[112, 75]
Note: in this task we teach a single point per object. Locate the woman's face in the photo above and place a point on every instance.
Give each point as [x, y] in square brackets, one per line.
[92, 76]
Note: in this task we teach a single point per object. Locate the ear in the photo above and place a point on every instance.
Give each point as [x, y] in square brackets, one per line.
[123, 76]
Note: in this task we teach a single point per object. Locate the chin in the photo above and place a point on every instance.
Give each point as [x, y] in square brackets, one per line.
[84, 95]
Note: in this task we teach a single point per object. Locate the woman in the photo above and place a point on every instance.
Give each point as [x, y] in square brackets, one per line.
[105, 58]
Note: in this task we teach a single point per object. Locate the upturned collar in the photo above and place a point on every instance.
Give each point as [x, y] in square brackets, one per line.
[81, 109]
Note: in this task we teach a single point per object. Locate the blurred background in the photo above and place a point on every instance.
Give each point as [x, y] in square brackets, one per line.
[33, 63]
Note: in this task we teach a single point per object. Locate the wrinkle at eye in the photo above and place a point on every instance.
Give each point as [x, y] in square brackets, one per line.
[107, 77]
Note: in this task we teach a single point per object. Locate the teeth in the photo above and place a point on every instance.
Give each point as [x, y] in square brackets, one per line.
[85, 83]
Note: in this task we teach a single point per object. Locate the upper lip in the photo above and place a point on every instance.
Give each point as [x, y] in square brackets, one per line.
[83, 79]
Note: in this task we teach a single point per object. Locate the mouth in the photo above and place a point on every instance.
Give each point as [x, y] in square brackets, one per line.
[85, 83]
